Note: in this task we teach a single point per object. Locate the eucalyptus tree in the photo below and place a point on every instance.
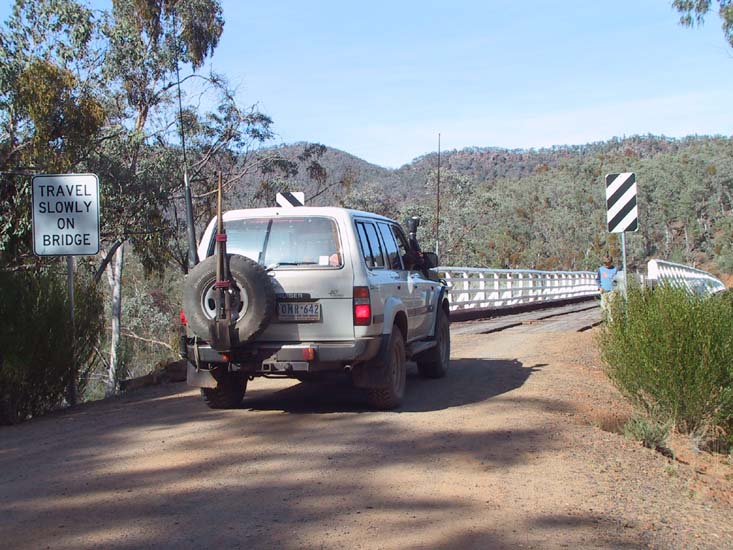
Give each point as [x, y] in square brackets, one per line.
[693, 12]
[50, 107]
[149, 42]
[101, 91]
[50, 118]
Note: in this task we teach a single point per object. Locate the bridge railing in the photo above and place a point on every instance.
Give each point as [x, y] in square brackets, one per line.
[478, 288]
[683, 276]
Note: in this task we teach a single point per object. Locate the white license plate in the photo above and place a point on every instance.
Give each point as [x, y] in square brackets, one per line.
[299, 311]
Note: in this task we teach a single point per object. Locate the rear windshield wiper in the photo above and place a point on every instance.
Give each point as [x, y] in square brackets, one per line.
[280, 264]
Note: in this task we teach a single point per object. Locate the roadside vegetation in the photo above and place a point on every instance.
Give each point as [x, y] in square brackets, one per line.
[41, 352]
[669, 352]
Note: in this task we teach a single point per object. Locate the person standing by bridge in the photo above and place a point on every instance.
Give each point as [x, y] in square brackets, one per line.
[605, 278]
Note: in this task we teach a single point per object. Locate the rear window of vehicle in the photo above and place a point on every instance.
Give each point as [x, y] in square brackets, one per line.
[285, 241]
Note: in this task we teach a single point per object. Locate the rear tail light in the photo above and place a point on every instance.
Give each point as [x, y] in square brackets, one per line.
[362, 306]
[182, 316]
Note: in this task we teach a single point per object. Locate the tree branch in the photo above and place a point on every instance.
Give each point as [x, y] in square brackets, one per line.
[128, 334]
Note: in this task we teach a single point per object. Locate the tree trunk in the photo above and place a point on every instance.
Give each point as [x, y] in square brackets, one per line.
[114, 275]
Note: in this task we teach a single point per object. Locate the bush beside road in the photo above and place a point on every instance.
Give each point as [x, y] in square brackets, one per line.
[670, 353]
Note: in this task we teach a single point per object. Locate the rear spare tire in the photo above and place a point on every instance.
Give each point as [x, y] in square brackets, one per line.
[253, 297]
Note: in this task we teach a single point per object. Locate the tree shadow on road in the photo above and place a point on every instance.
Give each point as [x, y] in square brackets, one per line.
[167, 472]
[468, 381]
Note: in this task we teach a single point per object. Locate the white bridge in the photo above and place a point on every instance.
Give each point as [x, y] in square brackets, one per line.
[485, 289]
[478, 288]
[683, 276]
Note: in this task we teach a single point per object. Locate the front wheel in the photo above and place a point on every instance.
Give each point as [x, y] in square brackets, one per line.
[390, 396]
[434, 362]
[228, 393]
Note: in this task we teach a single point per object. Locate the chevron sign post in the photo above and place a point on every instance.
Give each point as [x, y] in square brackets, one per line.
[621, 202]
[288, 199]
[622, 213]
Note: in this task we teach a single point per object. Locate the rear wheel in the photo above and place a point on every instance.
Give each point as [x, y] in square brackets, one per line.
[390, 396]
[434, 362]
[228, 393]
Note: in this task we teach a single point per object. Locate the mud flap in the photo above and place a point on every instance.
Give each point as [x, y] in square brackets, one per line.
[373, 373]
[199, 378]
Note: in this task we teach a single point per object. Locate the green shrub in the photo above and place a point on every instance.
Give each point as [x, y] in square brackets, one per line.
[650, 432]
[36, 342]
[671, 354]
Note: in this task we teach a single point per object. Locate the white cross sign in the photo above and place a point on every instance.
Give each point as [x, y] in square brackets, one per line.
[65, 214]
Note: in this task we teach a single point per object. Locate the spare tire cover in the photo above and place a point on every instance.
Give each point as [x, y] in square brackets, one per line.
[256, 297]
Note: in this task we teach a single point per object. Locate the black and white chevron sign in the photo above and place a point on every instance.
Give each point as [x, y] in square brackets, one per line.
[621, 202]
[287, 199]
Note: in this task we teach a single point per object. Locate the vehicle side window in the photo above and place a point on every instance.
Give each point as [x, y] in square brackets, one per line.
[371, 247]
[375, 244]
[364, 243]
[408, 259]
[393, 254]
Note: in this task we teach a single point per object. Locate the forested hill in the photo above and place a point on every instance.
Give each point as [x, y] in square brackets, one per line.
[541, 208]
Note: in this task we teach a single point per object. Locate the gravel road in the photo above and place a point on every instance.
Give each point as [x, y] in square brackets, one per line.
[509, 451]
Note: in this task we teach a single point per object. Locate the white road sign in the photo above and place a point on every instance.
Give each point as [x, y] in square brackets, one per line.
[65, 214]
[288, 199]
[622, 214]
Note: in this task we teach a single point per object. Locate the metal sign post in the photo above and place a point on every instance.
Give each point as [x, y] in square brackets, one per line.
[66, 223]
[70, 270]
[623, 263]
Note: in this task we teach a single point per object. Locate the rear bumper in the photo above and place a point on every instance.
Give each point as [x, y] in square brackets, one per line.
[276, 358]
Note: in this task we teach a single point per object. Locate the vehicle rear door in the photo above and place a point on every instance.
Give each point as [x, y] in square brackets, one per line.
[311, 271]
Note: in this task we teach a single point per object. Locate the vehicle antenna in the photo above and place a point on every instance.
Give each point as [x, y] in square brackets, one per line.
[192, 255]
[437, 204]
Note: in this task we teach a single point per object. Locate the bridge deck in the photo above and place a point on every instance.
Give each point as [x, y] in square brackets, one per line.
[573, 317]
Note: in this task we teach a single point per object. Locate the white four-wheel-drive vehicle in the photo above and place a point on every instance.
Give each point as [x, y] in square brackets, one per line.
[303, 291]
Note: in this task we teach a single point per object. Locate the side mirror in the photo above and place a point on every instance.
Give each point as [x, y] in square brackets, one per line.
[430, 259]
[412, 224]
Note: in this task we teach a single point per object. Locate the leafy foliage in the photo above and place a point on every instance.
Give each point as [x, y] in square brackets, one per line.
[651, 433]
[669, 353]
[694, 12]
[49, 114]
[39, 352]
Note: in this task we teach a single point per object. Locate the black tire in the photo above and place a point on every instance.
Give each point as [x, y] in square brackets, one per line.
[228, 393]
[434, 362]
[255, 300]
[391, 396]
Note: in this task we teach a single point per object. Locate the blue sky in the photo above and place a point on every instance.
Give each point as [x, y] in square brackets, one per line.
[381, 79]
